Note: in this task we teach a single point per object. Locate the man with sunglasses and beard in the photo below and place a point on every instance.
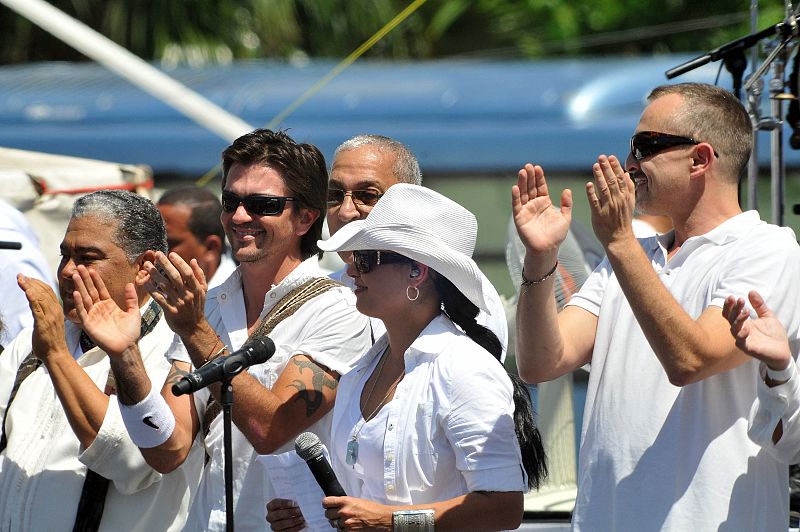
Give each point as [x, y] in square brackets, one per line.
[664, 443]
[273, 197]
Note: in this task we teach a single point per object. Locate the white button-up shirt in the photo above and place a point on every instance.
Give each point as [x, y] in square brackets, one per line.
[449, 428]
[328, 329]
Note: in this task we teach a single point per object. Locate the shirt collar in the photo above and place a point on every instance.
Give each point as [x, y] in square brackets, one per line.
[308, 269]
[729, 230]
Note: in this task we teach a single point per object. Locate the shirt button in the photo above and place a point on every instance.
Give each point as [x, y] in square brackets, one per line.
[391, 426]
[390, 487]
[272, 295]
[389, 458]
[223, 297]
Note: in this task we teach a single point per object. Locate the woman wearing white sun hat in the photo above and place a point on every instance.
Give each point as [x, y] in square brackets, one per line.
[425, 428]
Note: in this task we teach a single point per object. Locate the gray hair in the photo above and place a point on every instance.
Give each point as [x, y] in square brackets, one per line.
[712, 114]
[405, 167]
[139, 224]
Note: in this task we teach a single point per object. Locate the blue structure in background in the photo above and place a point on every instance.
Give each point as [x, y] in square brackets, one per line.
[455, 115]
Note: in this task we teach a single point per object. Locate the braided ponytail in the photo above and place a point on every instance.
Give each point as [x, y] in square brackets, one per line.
[462, 312]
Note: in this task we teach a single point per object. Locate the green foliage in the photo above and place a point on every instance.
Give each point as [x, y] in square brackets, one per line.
[198, 31]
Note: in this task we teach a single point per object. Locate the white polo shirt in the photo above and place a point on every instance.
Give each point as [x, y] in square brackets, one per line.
[655, 456]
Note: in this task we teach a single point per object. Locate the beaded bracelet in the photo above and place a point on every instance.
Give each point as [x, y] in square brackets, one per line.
[528, 282]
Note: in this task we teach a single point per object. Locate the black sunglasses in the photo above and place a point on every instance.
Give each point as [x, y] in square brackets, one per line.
[258, 204]
[365, 260]
[647, 143]
[367, 198]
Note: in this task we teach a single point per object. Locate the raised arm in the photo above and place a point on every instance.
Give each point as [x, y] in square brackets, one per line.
[306, 388]
[116, 331]
[689, 349]
[549, 344]
[84, 403]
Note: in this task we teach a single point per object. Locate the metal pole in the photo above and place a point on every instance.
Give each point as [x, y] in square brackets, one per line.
[118, 59]
[753, 97]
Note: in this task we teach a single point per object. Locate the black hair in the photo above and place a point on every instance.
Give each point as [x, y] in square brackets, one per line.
[462, 312]
[205, 210]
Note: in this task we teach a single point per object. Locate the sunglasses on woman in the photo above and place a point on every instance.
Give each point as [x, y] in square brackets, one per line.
[647, 143]
[365, 260]
[366, 198]
[258, 204]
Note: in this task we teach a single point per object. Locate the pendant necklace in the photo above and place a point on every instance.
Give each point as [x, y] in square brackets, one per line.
[352, 446]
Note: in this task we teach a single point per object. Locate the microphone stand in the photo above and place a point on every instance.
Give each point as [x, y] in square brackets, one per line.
[226, 401]
[733, 55]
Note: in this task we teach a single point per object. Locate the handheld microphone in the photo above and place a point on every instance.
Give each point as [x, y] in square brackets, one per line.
[309, 448]
[255, 351]
[4, 244]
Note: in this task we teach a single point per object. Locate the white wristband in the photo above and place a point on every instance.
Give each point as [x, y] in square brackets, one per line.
[149, 422]
[781, 375]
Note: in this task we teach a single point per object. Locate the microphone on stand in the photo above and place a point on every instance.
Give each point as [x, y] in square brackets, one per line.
[256, 351]
[309, 448]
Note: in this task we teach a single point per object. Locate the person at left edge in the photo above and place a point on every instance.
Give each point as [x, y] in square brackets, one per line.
[68, 462]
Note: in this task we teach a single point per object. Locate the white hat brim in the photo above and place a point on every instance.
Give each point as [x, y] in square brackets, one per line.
[416, 244]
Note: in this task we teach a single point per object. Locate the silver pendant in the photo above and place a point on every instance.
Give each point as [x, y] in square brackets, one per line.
[352, 452]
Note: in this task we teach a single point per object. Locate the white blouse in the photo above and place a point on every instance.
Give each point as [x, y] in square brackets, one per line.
[448, 430]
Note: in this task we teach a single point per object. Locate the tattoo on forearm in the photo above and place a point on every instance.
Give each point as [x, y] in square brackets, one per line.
[319, 380]
[175, 374]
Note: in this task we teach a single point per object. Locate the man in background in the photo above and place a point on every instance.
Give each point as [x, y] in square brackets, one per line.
[194, 231]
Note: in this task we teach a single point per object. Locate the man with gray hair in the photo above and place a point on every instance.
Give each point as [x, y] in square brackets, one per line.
[66, 459]
[363, 169]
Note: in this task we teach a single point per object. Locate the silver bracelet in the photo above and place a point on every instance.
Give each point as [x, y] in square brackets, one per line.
[412, 521]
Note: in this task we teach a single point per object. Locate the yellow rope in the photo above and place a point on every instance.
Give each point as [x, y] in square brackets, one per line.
[335, 71]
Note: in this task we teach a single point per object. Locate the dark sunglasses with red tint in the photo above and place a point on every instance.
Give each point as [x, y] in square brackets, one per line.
[647, 143]
[258, 204]
[365, 260]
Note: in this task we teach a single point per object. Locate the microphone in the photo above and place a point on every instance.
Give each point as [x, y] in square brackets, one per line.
[255, 351]
[309, 448]
[10, 245]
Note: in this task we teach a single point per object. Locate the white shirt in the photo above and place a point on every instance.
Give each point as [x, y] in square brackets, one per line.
[779, 403]
[15, 314]
[659, 457]
[224, 270]
[44, 466]
[449, 428]
[327, 329]
[495, 321]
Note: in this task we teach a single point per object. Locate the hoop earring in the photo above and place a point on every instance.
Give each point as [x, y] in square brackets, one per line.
[408, 293]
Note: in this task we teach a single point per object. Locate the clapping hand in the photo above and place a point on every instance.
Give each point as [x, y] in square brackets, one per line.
[179, 287]
[612, 198]
[763, 338]
[48, 318]
[541, 227]
[113, 329]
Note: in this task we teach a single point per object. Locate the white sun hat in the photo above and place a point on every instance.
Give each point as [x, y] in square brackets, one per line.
[425, 226]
